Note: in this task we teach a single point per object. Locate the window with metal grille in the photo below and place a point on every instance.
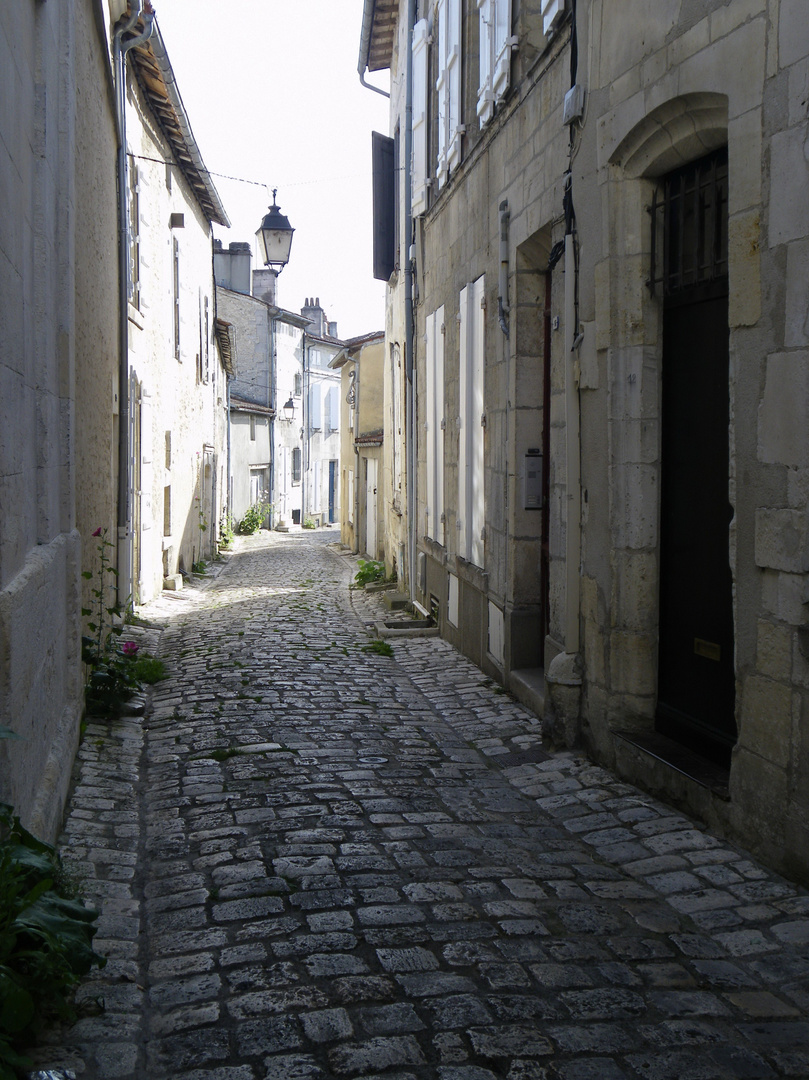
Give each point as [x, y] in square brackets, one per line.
[690, 226]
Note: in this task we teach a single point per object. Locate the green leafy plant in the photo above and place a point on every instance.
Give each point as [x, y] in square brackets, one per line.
[254, 518]
[45, 941]
[369, 570]
[199, 567]
[227, 531]
[110, 680]
[381, 648]
[308, 523]
[148, 669]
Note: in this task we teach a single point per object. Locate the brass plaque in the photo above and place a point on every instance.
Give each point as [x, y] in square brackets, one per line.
[708, 649]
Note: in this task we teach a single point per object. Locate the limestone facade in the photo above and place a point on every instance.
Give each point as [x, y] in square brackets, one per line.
[554, 389]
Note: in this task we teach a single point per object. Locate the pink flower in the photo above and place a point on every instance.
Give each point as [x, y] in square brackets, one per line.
[129, 648]
[98, 531]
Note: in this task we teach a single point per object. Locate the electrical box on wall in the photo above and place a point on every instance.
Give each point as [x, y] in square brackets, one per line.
[532, 480]
[574, 104]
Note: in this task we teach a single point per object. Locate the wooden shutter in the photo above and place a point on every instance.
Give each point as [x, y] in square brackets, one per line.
[384, 195]
[419, 163]
[315, 408]
[471, 444]
[448, 88]
[495, 55]
[501, 73]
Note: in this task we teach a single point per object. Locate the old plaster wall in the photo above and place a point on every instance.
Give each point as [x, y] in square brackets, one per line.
[699, 77]
[181, 394]
[40, 548]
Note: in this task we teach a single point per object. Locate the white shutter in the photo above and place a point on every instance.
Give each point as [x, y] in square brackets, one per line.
[471, 443]
[435, 425]
[430, 423]
[476, 429]
[448, 87]
[495, 55]
[333, 398]
[485, 107]
[315, 410]
[502, 48]
[316, 488]
[454, 129]
[419, 161]
[552, 12]
[464, 535]
[350, 512]
[438, 425]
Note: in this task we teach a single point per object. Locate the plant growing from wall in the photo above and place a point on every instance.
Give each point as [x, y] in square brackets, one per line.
[254, 518]
[369, 570]
[46, 938]
[227, 531]
[111, 676]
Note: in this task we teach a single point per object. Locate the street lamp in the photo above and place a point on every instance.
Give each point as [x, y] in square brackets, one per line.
[289, 410]
[275, 238]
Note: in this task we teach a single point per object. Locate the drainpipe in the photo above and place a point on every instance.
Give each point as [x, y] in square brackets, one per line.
[365, 45]
[304, 429]
[272, 403]
[410, 372]
[125, 584]
[502, 298]
[572, 455]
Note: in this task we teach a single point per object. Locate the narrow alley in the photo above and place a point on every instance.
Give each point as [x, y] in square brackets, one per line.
[317, 861]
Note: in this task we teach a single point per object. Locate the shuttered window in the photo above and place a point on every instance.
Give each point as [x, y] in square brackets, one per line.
[315, 408]
[434, 379]
[470, 448]
[384, 190]
[448, 88]
[495, 55]
[419, 162]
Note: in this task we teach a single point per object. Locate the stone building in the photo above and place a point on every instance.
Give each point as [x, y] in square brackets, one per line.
[58, 310]
[321, 417]
[177, 383]
[601, 227]
[265, 442]
[362, 442]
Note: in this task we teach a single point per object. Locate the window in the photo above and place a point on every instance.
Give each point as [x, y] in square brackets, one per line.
[204, 330]
[396, 423]
[470, 449]
[435, 425]
[495, 55]
[419, 162]
[552, 13]
[296, 464]
[448, 87]
[176, 283]
[298, 384]
[134, 235]
[333, 407]
[315, 408]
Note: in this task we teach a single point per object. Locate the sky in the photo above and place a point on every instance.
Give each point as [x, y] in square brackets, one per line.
[273, 97]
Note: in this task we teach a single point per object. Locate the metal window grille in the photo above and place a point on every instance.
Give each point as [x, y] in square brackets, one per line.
[689, 239]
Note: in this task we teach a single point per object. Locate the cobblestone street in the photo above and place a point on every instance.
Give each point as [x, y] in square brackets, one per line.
[314, 861]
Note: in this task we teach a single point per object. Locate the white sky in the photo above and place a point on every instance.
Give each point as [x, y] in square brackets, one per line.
[273, 96]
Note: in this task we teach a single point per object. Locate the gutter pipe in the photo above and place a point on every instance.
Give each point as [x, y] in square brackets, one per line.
[365, 46]
[124, 509]
[410, 373]
[502, 299]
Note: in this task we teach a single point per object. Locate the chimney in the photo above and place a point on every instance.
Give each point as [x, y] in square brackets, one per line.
[312, 311]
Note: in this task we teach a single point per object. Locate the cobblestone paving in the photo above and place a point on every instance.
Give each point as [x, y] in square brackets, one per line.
[314, 861]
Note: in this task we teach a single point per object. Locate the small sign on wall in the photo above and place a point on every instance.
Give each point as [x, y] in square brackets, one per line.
[532, 480]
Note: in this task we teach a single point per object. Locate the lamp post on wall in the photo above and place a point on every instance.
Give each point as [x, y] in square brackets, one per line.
[274, 241]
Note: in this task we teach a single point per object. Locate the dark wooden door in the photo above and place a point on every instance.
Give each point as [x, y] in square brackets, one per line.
[696, 687]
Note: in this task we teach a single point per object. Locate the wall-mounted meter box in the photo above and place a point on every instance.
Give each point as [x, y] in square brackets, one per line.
[532, 480]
